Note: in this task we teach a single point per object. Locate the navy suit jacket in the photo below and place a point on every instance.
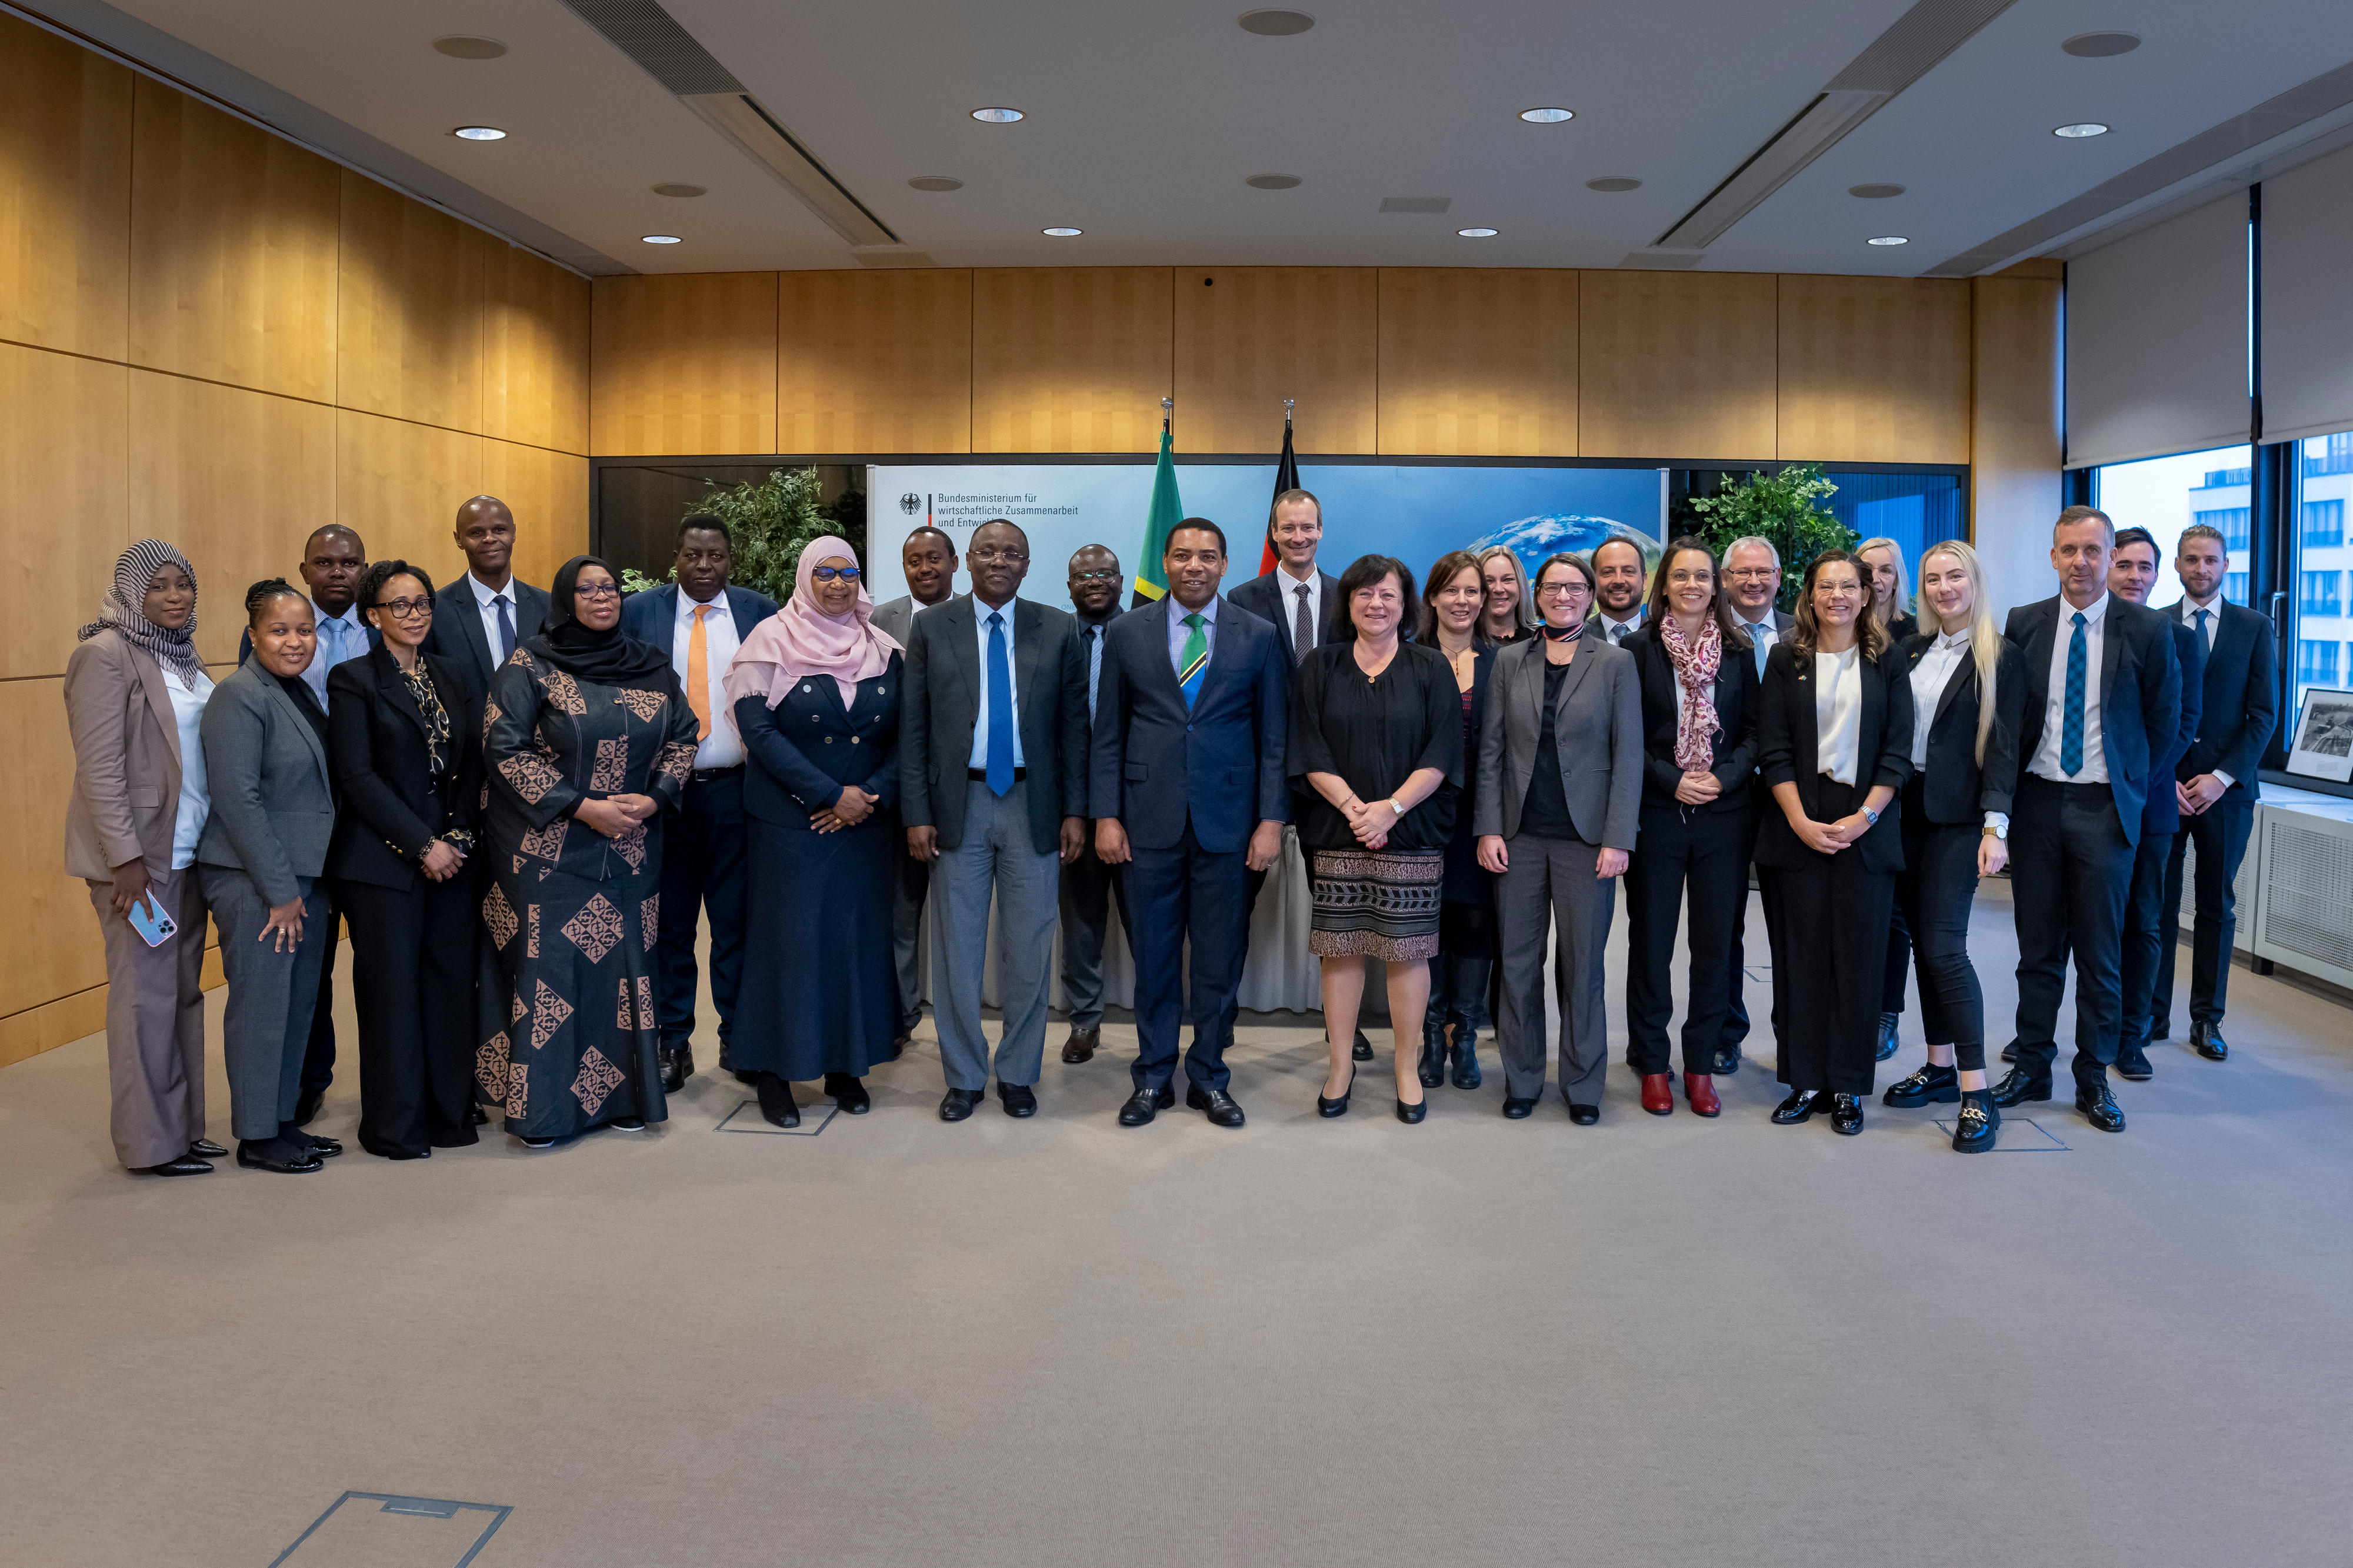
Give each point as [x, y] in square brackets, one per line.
[2140, 696]
[809, 745]
[1156, 763]
[2162, 814]
[1269, 598]
[457, 624]
[652, 616]
[2242, 703]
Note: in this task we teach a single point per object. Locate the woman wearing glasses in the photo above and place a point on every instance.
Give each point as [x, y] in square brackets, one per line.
[587, 740]
[814, 691]
[404, 735]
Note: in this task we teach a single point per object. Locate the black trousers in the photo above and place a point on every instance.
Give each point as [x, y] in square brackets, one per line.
[1834, 913]
[1899, 959]
[1090, 889]
[2070, 870]
[2143, 939]
[319, 1055]
[1933, 894]
[2220, 833]
[413, 988]
[701, 871]
[1706, 852]
[1735, 1012]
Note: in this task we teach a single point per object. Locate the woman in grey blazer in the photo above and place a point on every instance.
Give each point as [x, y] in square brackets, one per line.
[1560, 793]
[265, 740]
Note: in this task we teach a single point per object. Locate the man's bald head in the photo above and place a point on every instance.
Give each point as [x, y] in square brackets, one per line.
[486, 532]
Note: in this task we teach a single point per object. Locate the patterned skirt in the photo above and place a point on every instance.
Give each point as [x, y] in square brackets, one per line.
[1377, 904]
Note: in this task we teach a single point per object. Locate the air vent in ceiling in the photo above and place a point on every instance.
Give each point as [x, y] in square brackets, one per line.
[1661, 260]
[889, 256]
[1416, 204]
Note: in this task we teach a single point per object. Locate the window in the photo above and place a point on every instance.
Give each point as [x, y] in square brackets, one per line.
[2166, 495]
[2323, 483]
[2323, 522]
[2316, 664]
[2231, 520]
[2316, 594]
[2234, 587]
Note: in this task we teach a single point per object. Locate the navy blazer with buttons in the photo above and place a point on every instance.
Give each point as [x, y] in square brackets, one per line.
[2241, 708]
[809, 745]
[652, 617]
[1734, 742]
[2140, 695]
[1156, 763]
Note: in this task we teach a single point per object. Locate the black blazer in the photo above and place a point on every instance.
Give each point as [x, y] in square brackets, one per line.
[1736, 693]
[1787, 738]
[376, 746]
[1903, 628]
[2140, 694]
[1953, 788]
[940, 707]
[1268, 599]
[456, 635]
[2241, 702]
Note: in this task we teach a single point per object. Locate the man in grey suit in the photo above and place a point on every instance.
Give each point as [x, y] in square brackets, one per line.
[993, 789]
[929, 560]
[484, 615]
[1752, 581]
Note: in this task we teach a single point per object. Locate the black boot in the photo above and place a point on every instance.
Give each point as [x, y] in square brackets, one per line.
[1432, 1066]
[776, 1101]
[1470, 985]
[1890, 1025]
[1979, 1121]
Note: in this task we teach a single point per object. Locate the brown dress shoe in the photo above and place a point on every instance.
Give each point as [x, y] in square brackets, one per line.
[1081, 1045]
[1658, 1094]
[1699, 1088]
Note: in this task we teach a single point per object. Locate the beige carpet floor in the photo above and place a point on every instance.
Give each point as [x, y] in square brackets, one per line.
[1056, 1341]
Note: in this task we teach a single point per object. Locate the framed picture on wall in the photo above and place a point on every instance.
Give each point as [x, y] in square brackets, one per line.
[2323, 736]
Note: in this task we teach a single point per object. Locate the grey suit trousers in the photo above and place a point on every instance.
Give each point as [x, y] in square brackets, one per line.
[266, 1026]
[996, 856]
[155, 1023]
[1550, 881]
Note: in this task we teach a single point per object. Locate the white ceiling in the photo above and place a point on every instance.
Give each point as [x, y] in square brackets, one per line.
[1145, 119]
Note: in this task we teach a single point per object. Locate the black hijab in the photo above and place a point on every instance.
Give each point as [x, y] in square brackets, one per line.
[607, 658]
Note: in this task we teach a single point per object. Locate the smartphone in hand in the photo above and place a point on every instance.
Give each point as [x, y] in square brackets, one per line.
[148, 919]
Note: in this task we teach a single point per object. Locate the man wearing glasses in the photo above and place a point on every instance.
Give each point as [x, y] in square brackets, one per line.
[1752, 582]
[992, 790]
[1090, 887]
[701, 620]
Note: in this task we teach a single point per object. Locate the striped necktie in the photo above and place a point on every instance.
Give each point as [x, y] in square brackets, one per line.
[2071, 727]
[1194, 662]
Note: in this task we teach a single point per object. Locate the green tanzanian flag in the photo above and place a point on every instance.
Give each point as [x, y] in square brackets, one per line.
[1151, 579]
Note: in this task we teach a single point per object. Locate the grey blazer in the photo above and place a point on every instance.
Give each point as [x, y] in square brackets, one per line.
[273, 798]
[1597, 730]
[941, 704]
[126, 741]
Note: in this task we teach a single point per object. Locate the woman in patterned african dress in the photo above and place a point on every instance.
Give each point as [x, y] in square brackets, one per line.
[587, 741]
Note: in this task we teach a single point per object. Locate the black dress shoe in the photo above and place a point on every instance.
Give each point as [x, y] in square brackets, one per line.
[186, 1165]
[1431, 1068]
[1216, 1104]
[324, 1148]
[776, 1104]
[1410, 1114]
[1846, 1113]
[959, 1103]
[1018, 1099]
[2161, 1030]
[2207, 1039]
[1330, 1108]
[276, 1154]
[1975, 1128]
[1584, 1115]
[2132, 1062]
[1081, 1045]
[206, 1148]
[848, 1092]
[1932, 1085]
[481, 1117]
[677, 1067]
[1800, 1104]
[2018, 1086]
[2009, 1052]
[1518, 1109]
[1891, 1025]
[1362, 1050]
[627, 1124]
[1145, 1104]
[2099, 1106]
[1727, 1061]
[306, 1105]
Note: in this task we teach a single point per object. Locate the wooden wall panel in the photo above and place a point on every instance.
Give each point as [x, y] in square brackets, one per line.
[683, 364]
[1478, 362]
[1677, 365]
[1070, 359]
[233, 251]
[237, 480]
[875, 362]
[2015, 432]
[534, 351]
[548, 493]
[1874, 369]
[65, 193]
[1249, 337]
[408, 309]
[61, 500]
[401, 486]
[49, 930]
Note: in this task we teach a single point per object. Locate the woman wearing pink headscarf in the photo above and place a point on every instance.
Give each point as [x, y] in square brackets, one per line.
[815, 692]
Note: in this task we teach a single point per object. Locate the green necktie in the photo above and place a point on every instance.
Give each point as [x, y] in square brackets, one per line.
[1195, 661]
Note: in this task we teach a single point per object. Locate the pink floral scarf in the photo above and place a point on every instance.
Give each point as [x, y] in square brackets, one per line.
[1695, 669]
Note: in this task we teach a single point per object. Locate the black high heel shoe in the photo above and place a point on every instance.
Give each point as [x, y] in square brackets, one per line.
[777, 1101]
[1410, 1114]
[1338, 1107]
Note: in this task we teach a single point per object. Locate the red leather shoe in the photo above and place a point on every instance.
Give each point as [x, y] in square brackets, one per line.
[1658, 1094]
[1701, 1090]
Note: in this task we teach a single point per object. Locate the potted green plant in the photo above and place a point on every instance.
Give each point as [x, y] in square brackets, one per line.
[1786, 508]
[769, 522]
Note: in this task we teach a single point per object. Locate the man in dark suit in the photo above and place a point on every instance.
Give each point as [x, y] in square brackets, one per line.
[993, 789]
[928, 560]
[2218, 784]
[486, 613]
[1752, 580]
[1618, 587]
[1091, 885]
[1189, 792]
[2103, 703]
[701, 620]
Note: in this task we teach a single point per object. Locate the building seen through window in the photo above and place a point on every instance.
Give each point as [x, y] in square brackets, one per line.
[2324, 632]
[2166, 495]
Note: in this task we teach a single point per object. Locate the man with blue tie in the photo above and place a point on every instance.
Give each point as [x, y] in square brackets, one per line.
[993, 791]
[1090, 886]
[2103, 706]
[1190, 795]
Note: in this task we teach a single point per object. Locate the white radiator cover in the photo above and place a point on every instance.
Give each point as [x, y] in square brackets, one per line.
[2303, 900]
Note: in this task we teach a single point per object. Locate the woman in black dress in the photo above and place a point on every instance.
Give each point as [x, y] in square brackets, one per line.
[1453, 621]
[588, 740]
[815, 694]
[1376, 737]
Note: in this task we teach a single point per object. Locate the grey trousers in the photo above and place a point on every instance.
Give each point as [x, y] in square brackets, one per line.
[266, 1026]
[996, 857]
[1551, 881]
[155, 1023]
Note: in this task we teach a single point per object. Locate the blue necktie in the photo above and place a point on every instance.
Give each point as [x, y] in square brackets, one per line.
[1000, 709]
[2202, 624]
[1762, 648]
[506, 630]
[2071, 728]
[1094, 666]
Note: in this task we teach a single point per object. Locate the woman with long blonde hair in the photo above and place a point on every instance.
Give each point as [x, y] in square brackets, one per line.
[1508, 614]
[1968, 691]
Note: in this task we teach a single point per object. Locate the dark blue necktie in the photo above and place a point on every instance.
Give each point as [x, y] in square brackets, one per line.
[506, 630]
[1000, 708]
[2202, 624]
[2071, 728]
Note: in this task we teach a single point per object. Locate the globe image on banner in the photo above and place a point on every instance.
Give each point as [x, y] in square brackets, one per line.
[1536, 540]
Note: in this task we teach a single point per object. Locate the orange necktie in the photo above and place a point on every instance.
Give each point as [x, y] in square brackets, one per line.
[698, 676]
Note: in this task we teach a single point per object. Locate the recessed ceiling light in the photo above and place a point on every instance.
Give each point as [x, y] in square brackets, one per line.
[1272, 182]
[1614, 182]
[1874, 192]
[1064, 233]
[936, 183]
[1275, 23]
[680, 190]
[2100, 45]
[463, 46]
[659, 238]
[1890, 239]
[479, 133]
[998, 116]
[2078, 131]
[1546, 116]
[1476, 232]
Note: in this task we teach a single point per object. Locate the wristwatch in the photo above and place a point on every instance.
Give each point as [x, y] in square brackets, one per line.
[1395, 808]
[1871, 816]
[1996, 827]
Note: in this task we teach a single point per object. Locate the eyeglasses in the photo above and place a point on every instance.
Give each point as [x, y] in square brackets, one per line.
[408, 609]
[1562, 589]
[1753, 573]
[827, 573]
[1094, 576]
[986, 557]
[597, 590]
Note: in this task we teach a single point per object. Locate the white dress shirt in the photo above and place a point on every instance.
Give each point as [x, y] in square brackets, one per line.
[722, 748]
[1290, 586]
[195, 795]
[1179, 633]
[1616, 632]
[1838, 713]
[485, 600]
[2213, 608]
[341, 639]
[980, 614]
[1930, 676]
[2054, 707]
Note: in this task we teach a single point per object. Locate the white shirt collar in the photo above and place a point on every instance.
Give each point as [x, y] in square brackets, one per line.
[349, 617]
[484, 594]
[1315, 578]
[2092, 612]
[688, 605]
[2189, 607]
[1955, 639]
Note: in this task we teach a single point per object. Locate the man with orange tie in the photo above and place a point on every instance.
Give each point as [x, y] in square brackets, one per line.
[701, 621]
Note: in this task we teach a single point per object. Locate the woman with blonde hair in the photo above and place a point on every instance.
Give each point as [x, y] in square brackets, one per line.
[1508, 613]
[1969, 693]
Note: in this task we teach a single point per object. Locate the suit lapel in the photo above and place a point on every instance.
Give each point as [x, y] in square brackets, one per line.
[469, 627]
[1809, 734]
[275, 693]
[159, 703]
[1028, 657]
[2112, 652]
[394, 687]
[963, 622]
[1164, 673]
[1963, 673]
